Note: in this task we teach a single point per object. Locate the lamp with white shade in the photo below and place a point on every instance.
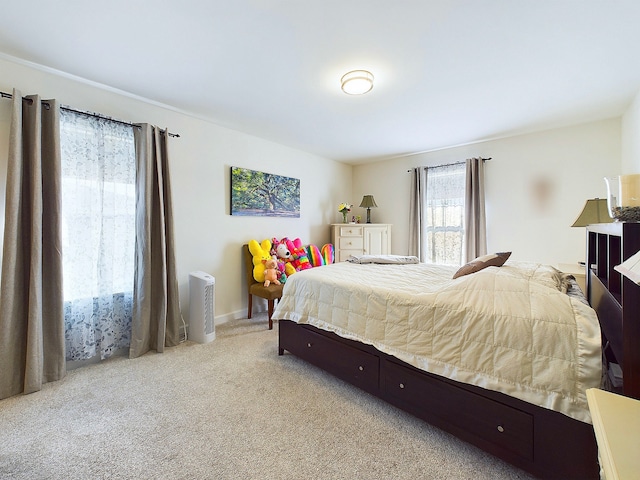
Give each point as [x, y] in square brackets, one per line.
[630, 268]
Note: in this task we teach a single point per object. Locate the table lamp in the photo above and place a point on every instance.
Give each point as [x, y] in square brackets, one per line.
[594, 211]
[368, 202]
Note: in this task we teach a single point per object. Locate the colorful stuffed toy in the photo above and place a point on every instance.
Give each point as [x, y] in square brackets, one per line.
[271, 272]
[300, 261]
[280, 250]
[321, 256]
[328, 254]
[315, 256]
[290, 256]
[261, 253]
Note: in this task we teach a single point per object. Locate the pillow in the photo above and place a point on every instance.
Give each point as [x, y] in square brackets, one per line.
[493, 260]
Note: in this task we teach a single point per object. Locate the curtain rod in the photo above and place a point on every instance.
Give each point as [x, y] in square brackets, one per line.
[449, 164]
[91, 114]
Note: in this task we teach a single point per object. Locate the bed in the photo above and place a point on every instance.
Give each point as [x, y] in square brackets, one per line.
[546, 430]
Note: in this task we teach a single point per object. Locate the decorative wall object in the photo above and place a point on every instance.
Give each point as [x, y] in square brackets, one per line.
[261, 194]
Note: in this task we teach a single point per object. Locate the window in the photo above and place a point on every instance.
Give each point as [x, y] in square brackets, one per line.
[445, 214]
[98, 233]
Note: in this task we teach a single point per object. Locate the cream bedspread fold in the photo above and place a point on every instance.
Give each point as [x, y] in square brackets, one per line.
[507, 329]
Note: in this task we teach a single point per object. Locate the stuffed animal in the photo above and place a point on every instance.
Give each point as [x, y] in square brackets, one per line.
[261, 253]
[280, 250]
[283, 252]
[300, 261]
[274, 248]
[271, 272]
[321, 256]
[315, 256]
[290, 256]
[328, 254]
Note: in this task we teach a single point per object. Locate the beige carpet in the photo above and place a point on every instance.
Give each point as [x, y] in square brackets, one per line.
[231, 409]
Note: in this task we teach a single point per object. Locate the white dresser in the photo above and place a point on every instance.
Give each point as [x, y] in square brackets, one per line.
[360, 239]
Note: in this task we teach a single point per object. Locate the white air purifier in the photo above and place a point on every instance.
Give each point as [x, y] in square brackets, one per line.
[201, 307]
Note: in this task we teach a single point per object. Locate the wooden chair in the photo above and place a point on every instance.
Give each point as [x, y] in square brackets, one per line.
[271, 293]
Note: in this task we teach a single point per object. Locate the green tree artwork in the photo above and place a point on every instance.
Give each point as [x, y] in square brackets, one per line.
[256, 193]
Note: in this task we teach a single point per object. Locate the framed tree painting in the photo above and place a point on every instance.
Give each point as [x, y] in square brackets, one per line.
[256, 193]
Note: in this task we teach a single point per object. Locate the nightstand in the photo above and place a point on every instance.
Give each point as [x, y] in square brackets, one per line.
[577, 270]
[616, 423]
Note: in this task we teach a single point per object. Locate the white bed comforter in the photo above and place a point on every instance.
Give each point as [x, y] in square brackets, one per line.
[508, 329]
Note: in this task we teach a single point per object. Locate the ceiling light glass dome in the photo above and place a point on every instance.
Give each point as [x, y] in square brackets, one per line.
[357, 82]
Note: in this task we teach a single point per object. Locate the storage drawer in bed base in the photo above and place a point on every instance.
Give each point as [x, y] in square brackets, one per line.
[447, 405]
[543, 442]
[350, 364]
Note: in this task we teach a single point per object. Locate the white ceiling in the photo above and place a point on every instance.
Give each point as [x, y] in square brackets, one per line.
[447, 72]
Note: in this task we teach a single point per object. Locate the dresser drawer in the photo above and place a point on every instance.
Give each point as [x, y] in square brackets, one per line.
[508, 428]
[350, 231]
[351, 243]
[350, 364]
[342, 255]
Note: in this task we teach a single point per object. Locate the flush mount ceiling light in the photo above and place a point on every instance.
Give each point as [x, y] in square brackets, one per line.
[357, 82]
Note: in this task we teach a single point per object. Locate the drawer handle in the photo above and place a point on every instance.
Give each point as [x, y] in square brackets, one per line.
[361, 368]
[309, 344]
[402, 385]
[500, 428]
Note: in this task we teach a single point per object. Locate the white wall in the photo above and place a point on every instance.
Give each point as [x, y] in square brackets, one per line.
[631, 138]
[570, 162]
[208, 238]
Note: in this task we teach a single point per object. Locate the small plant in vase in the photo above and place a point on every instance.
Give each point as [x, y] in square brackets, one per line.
[344, 209]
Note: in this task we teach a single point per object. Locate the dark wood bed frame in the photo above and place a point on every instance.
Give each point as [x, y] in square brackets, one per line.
[545, 443]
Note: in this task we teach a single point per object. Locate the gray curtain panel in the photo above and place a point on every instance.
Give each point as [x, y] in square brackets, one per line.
[31, 302]
[156, 312]
[475, 227]
[417, 207]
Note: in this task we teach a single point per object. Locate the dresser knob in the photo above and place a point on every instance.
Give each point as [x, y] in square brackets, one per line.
[402, 385]
[361, 368]
[500, 428]
[309, 344]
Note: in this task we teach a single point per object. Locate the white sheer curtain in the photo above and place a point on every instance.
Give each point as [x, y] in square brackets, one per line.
[98, 232]
[446, 212]
[444, 229]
